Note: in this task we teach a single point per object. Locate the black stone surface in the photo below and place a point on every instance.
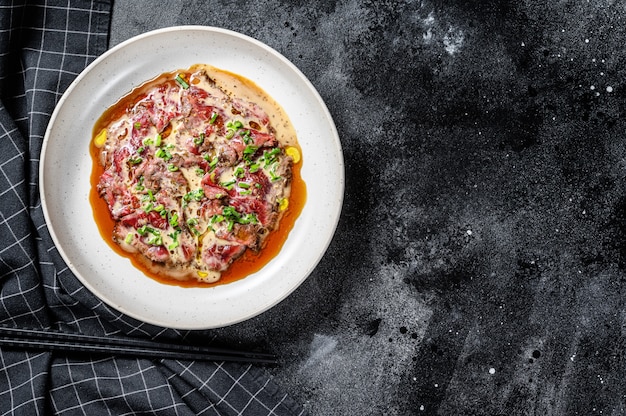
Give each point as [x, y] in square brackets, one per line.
[479, 264]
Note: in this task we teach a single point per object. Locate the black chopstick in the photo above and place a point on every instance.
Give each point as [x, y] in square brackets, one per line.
[51, 340]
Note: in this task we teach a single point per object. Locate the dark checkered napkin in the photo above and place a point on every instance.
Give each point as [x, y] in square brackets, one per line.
[43, 46]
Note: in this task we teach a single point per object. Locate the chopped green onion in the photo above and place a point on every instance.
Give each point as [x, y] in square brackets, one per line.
[196, 195]
[228, 185]
[157, 140]
[172, 168]
[199, 172]
[139, 185]
[155, 237]
[174, 237]
[140, 149]
[213, 118]
[247, 139]
[271, 156]
[173, 219]
[248, 152]
[137, 125]
[249, 219]
[191, 222]
[155, 240]
[230, 211]
[129, 238]
[213, 163]
[148, 141]
[239, 172]
[199, 140]
[182, 82]
[135, 160]
[273, 176]
[244, 185]
[163, 154]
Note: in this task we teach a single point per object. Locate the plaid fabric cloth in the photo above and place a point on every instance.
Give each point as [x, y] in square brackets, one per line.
[43, 46]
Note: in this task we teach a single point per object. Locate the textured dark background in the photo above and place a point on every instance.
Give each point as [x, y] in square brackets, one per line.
[479, 263]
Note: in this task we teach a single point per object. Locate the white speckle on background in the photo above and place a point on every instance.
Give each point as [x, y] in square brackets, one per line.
[453, 40]
[427, 24]
[321, 346]
[492, 370]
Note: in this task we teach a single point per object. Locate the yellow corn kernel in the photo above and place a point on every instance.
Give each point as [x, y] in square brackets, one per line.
[283, 204]
[294, 153]
[202, 274]
[101, 138]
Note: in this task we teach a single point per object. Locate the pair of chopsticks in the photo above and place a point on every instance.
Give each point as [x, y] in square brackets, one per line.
[51, 340]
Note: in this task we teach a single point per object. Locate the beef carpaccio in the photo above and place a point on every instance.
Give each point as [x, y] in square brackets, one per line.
[197, 169]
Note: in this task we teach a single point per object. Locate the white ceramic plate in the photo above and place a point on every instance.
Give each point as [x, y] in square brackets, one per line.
[66, 166]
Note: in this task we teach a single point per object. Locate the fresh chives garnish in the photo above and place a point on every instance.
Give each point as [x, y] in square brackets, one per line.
[174, 237]
[155, 240]
[273, 176]
[197, 195]
[173, 219]
[229, 184]
[199, 140]
[163, 154]
[182, 81]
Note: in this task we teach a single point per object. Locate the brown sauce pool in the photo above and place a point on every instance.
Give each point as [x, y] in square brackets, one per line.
[250, 262]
